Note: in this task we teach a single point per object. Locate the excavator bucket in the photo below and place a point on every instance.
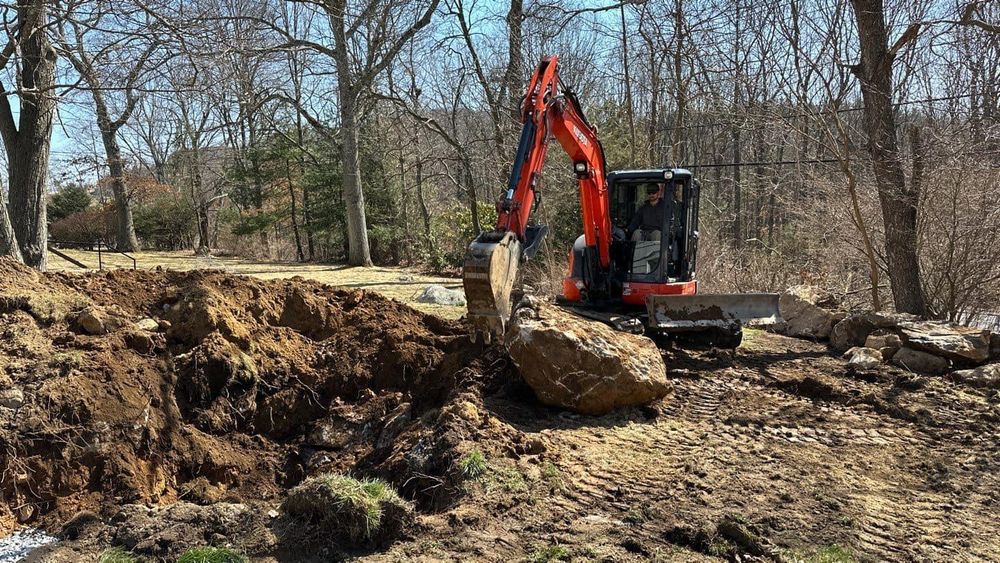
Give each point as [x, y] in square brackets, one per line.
[685, 313]
[491, 266]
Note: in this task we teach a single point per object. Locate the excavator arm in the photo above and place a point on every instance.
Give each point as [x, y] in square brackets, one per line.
[493, 260]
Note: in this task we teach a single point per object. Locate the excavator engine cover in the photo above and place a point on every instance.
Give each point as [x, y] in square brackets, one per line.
[684, 313]
[491, 267]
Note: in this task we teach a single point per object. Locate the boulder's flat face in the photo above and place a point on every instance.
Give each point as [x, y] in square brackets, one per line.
[920, 362]
[803, 317]
[955, 342]
[583, 365]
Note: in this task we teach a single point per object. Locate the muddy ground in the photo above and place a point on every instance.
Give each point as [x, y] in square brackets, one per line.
[246, 387]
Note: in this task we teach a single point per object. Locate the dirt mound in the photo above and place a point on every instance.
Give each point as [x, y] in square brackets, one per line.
[208, 387]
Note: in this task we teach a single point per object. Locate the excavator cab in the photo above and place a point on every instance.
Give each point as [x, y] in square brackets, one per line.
[656, 244]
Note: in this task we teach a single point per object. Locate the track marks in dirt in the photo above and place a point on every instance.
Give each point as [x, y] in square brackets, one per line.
[811, 471]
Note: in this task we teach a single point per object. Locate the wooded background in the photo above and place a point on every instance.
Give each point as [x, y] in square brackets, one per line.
[848, 144]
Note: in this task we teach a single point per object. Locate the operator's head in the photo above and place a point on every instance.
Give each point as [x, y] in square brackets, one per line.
[654, 193]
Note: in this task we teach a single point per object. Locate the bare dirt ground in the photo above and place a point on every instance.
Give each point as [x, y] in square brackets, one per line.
[772, 452]
[396, 283]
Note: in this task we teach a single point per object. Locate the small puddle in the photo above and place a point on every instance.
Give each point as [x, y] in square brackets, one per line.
[18, 545]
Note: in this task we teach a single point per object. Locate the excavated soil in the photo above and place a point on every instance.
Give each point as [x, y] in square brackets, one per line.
[156, 387]
[774, 452]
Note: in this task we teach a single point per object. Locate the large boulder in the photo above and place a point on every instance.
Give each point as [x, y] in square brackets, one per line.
[958, 343]
[583, 365]
[855, 329]
[804, 317]
[982, 376]
[920, 362]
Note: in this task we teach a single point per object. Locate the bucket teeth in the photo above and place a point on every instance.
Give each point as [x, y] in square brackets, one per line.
[491, 266]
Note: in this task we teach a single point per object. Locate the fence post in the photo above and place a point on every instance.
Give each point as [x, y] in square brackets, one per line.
[100, 260]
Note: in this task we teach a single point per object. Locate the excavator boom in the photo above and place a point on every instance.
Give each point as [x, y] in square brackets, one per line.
[493, 260]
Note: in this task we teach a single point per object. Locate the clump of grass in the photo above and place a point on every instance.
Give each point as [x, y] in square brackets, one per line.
[473, 465]
[829, 554]
[752, 339]
[354, 509]
[211, 555]
[117, 555]
[550, 553]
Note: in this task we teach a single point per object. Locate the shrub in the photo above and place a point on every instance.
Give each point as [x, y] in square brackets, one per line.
[87, 227]
[71, 199]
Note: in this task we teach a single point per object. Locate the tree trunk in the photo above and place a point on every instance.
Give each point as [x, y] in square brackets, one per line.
[295, 223]
[358, 253]
[898, 202]
[678, 152]
[470, 188]
[629, 104]
[424, 213]
[28, 173]
[125, 239]
[204, 232]
[8, 242]
[27, 143]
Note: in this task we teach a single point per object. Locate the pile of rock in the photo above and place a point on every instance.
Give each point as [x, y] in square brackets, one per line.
[871, 339]
[920, 346]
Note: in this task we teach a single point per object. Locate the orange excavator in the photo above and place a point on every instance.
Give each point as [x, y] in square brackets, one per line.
[634, 266]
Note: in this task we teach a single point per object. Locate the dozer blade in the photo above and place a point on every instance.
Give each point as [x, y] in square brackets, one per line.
[491, 266]
[683, 313]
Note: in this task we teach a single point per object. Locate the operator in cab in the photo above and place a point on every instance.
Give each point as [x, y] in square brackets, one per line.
[648, 219]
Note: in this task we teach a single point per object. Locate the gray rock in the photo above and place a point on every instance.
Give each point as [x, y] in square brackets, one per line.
[583, 365]
[396, 421]
[11, 398]
[955, 342]
[803, 317]
[920, 362]
[982, 376]
[855, 329]
[884, 341]
[440, 295]
[863, 358]
[332, 433]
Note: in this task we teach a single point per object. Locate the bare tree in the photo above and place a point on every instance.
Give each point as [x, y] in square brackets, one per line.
[110, 64]
[27, 138]
[898, 199]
